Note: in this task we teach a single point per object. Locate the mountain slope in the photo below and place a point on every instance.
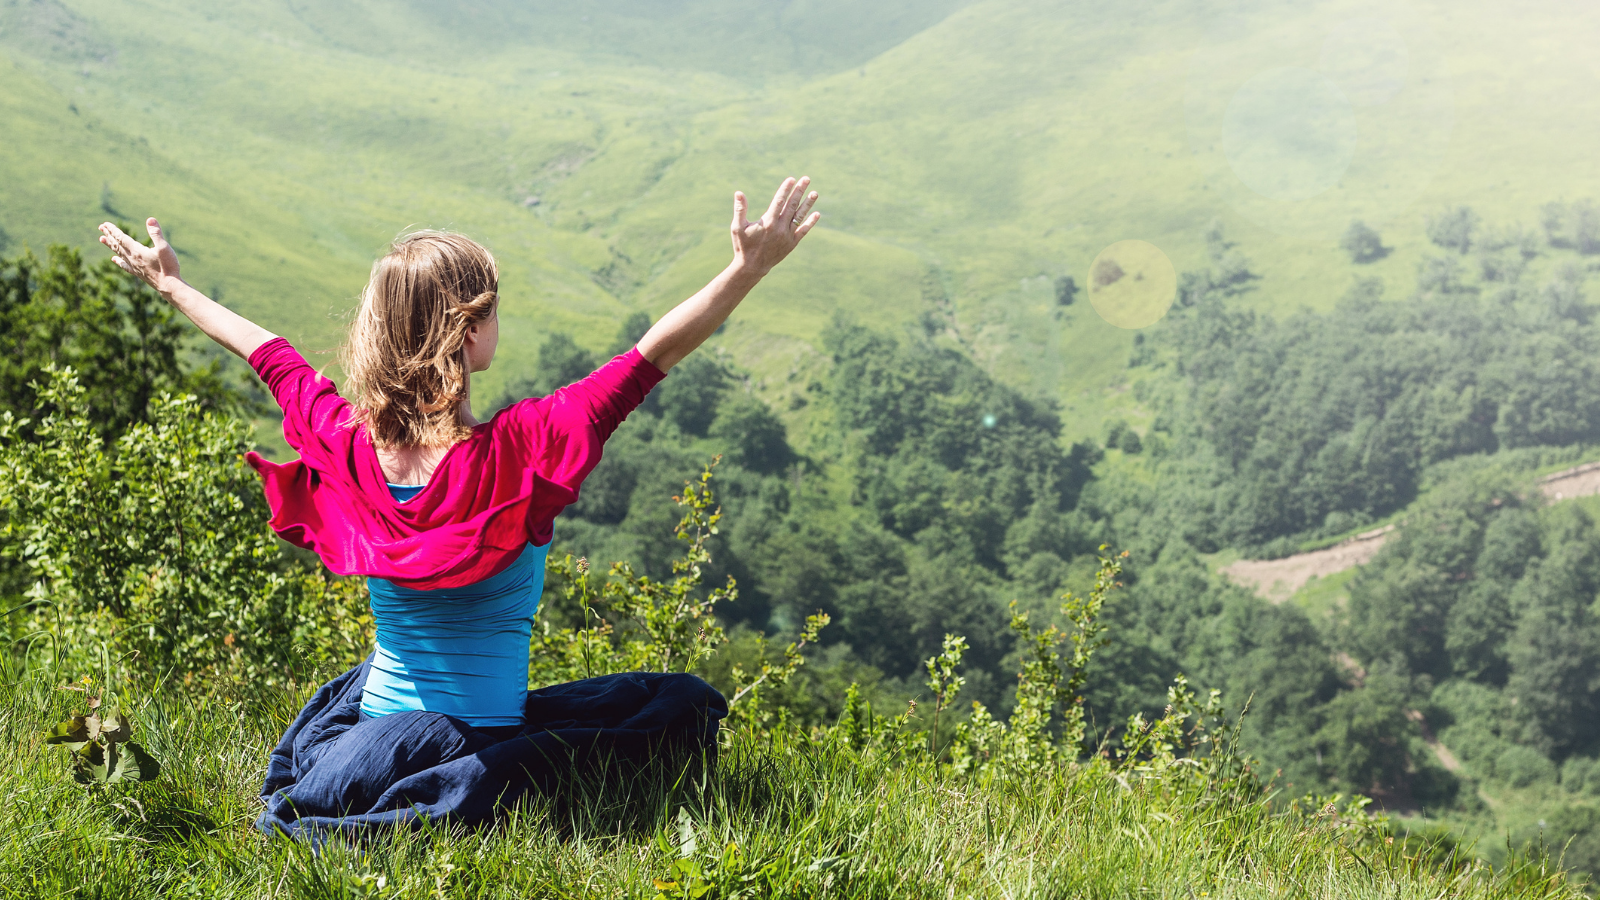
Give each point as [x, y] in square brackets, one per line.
[969, 154]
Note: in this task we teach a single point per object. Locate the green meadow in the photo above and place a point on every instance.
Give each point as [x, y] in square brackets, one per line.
[968, 154]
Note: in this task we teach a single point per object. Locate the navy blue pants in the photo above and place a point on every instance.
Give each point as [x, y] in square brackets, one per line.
[337, 770]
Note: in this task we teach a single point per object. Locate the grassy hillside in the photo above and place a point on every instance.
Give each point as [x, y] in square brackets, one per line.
[781, 817]
[970, 152]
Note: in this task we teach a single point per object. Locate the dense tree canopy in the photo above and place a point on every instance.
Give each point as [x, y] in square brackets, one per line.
[125, 343]
[1316, 423]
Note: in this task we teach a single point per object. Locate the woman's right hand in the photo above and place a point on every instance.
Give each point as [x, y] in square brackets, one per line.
[156, 266]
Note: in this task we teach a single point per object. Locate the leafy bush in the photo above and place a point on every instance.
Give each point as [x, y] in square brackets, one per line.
[122, 339]
[1363, 243]
[1454, 228]
[636, 623]
[158, 542]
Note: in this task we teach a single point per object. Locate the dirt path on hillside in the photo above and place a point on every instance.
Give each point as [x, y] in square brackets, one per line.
[1278, 579]
[1578, 481]
[1440, 751]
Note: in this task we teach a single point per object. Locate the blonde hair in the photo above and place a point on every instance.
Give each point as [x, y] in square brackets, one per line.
[406, 357]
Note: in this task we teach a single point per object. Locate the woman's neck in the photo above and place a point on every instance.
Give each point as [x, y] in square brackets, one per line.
[410, 465]
[415, 464]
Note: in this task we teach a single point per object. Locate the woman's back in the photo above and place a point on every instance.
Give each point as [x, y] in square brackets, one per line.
[492, 494]
[459, 651]
[468, 548]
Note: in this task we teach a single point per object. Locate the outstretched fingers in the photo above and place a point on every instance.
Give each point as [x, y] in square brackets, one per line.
[806, 226]
[741, 207]
[117, 242]
[805, 207]
[154, 227]
[780, 200]
[791, 203]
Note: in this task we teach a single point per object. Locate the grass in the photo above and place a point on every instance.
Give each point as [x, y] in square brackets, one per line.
[1324, 598]
[805, 819]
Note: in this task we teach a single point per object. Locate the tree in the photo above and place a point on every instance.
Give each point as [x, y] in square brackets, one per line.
[1440, 275]
[1365, 734]
[690, 397]
[1481, 619]
[1230, 269]
[124, 341]
[1586, 226]
[1554, 650]
[1066, 290]
[751, 436]
[1193, 287]
[1575, 225]
[1363, 243]
[633, 328]
[1121, 436]
[1453, 229]
[1565, 295]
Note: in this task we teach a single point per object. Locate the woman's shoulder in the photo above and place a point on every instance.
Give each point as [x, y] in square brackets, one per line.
[274, 354]
[514, 421]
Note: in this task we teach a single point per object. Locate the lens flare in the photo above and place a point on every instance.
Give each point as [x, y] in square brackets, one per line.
[1132, 284]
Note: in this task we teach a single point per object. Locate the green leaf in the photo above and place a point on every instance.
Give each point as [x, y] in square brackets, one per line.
[134, 763]
[116, 727]
[71, 731]
[89, 765]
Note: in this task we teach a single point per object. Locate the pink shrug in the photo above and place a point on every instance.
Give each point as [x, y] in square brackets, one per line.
[492, 494]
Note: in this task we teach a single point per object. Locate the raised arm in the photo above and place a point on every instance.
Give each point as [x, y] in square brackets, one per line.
[757, 247]
[157, 266]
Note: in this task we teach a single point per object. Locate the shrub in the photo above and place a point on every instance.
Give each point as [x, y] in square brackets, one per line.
[1520, 766]
[1453, 229]
[1363, 243]
[1066, 290]
[158, 543]
[122, 339]
[631, 622]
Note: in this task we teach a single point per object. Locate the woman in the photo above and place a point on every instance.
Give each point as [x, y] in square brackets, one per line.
[450, 519]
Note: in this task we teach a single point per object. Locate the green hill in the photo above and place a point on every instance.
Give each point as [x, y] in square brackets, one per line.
[972, 151]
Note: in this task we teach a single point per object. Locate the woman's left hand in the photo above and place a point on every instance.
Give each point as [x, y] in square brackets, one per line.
[762, 244]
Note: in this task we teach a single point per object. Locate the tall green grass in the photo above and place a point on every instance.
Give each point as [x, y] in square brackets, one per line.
[780, 816]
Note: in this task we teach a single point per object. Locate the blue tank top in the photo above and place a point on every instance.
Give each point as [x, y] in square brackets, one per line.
[458, 651]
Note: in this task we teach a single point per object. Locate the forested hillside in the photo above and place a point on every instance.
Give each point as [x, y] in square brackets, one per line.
[931, 497]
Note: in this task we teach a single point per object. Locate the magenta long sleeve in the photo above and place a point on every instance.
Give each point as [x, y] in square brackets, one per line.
[492, 494]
